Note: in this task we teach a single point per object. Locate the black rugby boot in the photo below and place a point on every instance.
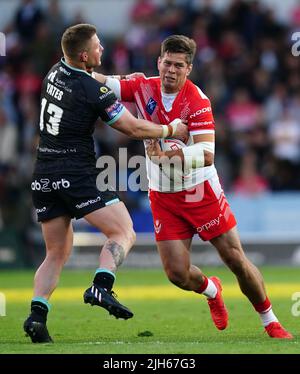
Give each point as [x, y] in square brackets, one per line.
[107, 300]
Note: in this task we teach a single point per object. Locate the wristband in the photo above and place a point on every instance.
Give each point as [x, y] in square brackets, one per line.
[165, 131]
[173, 125]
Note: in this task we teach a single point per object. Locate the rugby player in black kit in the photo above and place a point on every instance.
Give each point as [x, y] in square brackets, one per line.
[64, 179]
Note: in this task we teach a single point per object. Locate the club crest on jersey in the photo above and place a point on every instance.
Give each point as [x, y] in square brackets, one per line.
[151, 105]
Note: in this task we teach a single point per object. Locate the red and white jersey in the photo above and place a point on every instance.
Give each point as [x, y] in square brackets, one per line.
[190, 105]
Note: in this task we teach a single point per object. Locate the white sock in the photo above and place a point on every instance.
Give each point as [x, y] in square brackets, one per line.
[267, 317]
[211, 290]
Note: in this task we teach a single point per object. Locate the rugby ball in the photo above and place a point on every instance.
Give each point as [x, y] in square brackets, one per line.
[172, 144]
[174, 169]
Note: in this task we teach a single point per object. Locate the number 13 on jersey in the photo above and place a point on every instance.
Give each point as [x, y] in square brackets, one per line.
[55, 115]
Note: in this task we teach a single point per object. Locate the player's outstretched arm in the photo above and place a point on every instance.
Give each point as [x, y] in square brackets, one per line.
[103, 78]
[143, 129]
[113, 81]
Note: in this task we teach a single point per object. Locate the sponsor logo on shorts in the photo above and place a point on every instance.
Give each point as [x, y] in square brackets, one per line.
[208, 225]
[157, 226]
[44, 185]
[87, 203]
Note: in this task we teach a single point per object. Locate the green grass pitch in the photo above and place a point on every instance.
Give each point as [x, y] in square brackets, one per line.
[167, 320]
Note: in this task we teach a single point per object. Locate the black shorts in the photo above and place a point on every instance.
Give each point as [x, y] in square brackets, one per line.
[65, 194]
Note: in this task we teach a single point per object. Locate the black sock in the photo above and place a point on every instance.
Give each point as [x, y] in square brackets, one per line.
[39, 311]
[104, 280]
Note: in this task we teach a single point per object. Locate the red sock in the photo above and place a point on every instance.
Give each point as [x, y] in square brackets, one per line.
[203, 285]
[263, 307]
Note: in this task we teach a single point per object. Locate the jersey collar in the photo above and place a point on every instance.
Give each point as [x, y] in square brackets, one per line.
[72, 68]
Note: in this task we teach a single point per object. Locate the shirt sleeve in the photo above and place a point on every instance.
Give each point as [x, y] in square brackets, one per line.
[104, 102]
[201, 121]
[128, 89]
[114, 85]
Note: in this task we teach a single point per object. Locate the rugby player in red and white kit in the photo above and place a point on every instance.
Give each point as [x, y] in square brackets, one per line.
[194, 202]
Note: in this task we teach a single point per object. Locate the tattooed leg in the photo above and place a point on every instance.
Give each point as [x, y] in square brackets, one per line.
[112, 255]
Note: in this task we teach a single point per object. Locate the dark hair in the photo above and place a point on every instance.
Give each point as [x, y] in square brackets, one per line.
[75, 38]
[179, 44]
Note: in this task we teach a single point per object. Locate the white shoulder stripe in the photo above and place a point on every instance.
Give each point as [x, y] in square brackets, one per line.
[156, 76]
[201, 93]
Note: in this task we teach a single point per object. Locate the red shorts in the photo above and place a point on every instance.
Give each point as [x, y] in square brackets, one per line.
[202, 209]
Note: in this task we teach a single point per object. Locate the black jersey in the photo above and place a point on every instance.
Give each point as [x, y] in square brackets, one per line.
[71, 102]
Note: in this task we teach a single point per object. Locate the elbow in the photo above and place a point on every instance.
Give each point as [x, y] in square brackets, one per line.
[209, 158]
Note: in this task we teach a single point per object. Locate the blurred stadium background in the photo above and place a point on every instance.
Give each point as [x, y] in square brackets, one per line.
[244, 64]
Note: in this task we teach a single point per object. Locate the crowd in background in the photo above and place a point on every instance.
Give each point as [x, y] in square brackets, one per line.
[244, 64]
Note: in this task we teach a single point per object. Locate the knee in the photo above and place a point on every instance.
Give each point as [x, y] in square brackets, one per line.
[237, 262]
[131, 236]
[124, 235]
[59, 258]
[177, 276]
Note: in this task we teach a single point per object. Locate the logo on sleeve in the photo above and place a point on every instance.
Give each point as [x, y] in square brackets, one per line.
[200, 111]
[105, 91]
[113, 110]
[205, 123]
[151, 105]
